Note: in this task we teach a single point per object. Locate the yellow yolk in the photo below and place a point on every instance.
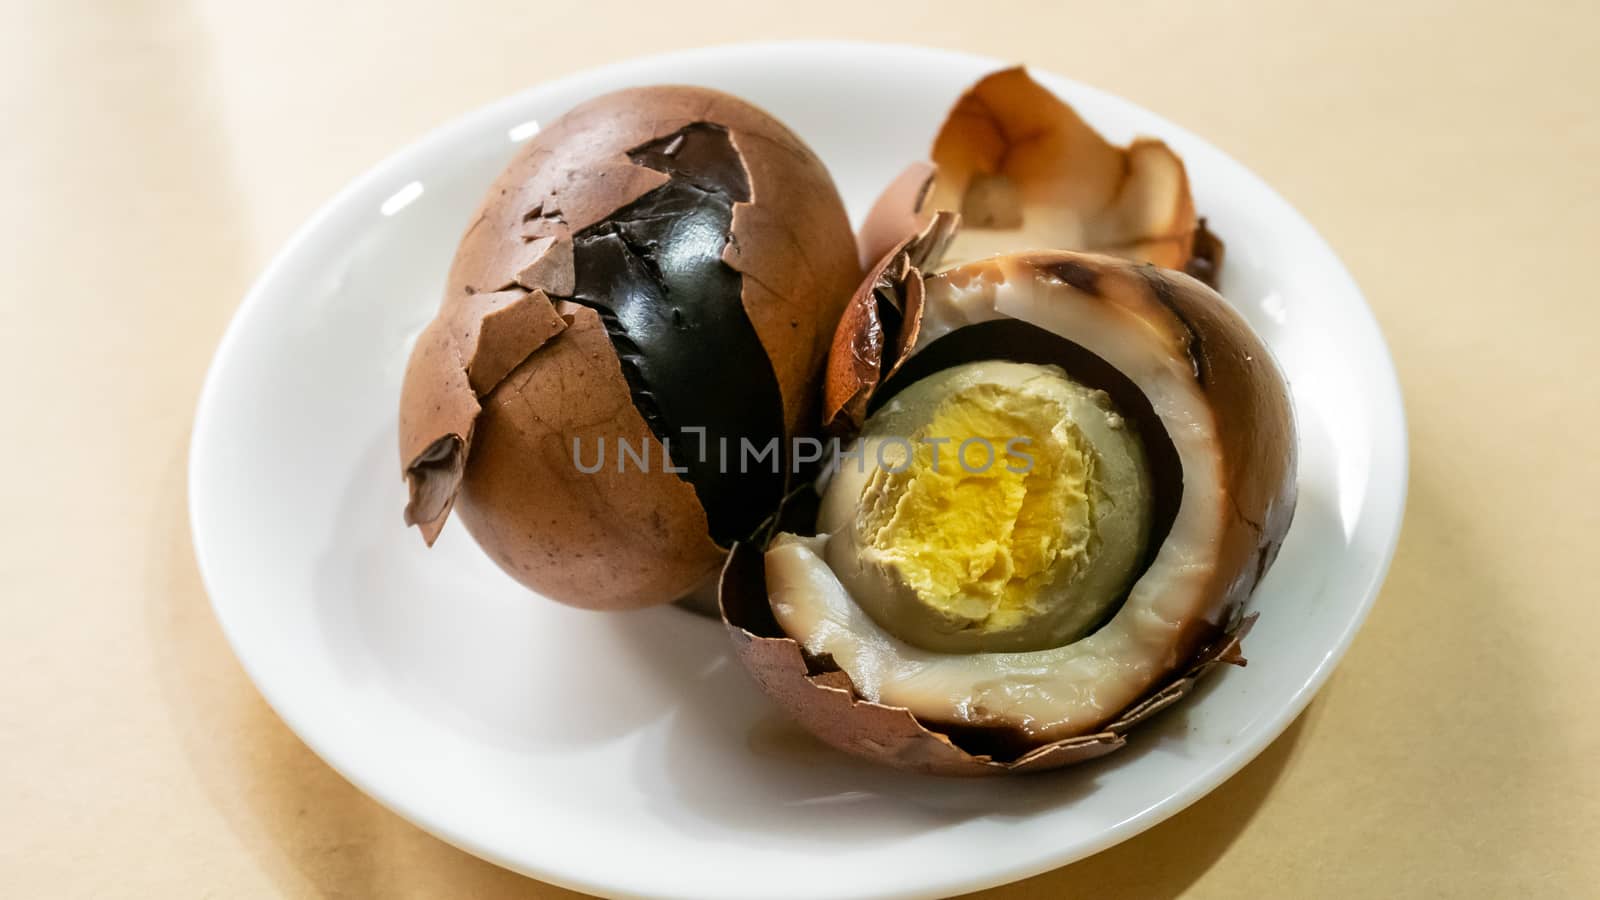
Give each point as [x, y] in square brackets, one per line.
[993, 502]
[991, 506]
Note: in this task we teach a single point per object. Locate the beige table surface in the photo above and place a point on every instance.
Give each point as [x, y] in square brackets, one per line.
[154, 156]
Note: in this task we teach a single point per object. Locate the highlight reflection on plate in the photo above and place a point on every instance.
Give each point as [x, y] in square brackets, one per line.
[628, 753]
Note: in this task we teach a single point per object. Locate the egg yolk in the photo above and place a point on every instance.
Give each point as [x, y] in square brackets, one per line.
[984, 505]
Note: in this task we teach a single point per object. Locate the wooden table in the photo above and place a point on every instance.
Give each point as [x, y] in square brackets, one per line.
[155, 156]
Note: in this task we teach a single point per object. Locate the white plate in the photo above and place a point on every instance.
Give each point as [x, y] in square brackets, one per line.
[627, 754]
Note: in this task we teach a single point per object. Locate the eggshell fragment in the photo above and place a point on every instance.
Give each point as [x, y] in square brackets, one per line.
[460, 356]
[880, 323]
[1025, 172]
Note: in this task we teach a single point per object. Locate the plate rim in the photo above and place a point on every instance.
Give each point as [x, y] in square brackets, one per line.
[389, 169]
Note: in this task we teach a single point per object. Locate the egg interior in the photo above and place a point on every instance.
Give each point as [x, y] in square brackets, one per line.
[990, 506]
[975, 539]
[1124, 341]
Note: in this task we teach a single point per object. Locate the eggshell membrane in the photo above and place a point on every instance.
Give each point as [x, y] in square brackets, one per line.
[1252, 467]
[791, 243]
[1076, 190]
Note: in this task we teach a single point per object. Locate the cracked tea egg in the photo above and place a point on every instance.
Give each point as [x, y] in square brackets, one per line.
[1127, 479]
[653, 279]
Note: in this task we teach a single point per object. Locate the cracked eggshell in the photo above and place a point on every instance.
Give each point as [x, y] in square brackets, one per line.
[509, 368]
[1025, 172]
[790, 241]
[612, 534]
[880, 325]
[1238, 482]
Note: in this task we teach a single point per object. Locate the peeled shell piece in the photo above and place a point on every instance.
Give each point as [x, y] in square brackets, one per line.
[879, 325]
[1025, 172]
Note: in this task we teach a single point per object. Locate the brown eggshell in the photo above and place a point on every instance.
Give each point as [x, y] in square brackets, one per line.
[789, 241]
[863, 354]
[792, 240]
[1255, 439]
[605, 540]
[460, 355]
[793, 244]
[1026, 172]
[1205, 263]
[900, 212]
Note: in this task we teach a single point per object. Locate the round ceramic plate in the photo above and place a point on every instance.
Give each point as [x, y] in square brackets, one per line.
[628, 754]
